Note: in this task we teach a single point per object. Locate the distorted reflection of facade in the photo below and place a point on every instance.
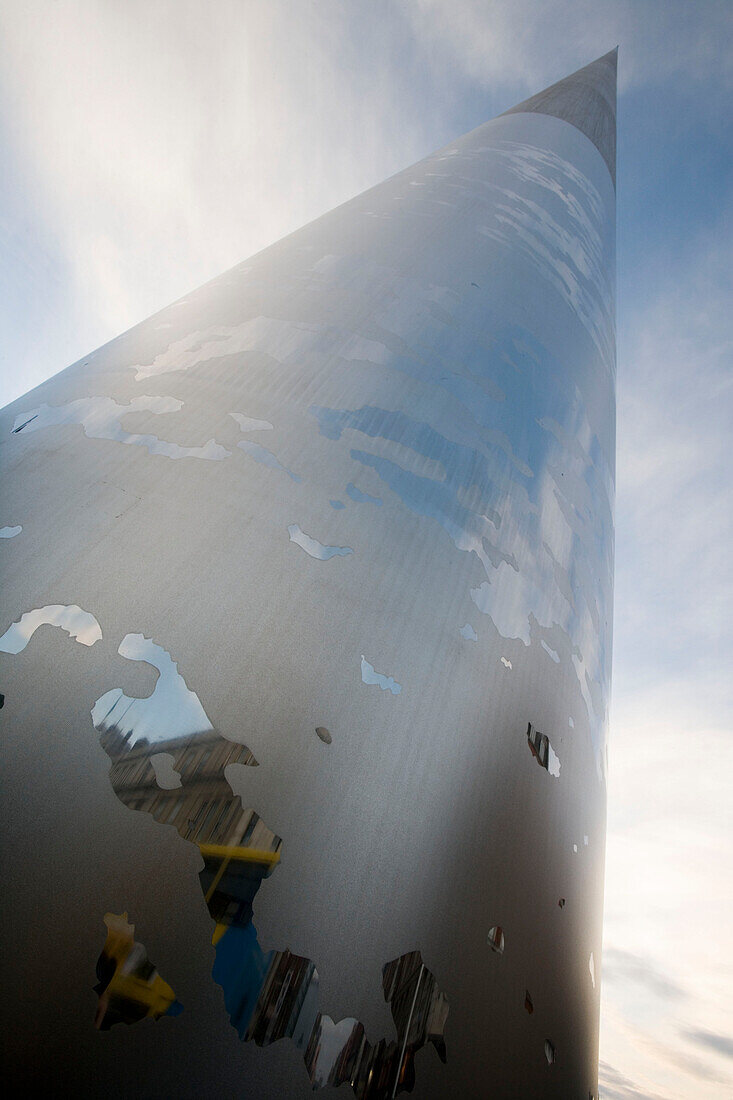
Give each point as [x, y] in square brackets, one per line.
[129, 985]
[269, 995]
[238, 848]
[419, 1011]
[539, 744]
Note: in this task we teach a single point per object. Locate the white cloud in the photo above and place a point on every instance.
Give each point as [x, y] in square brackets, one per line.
[159, 144]
[668, 962]
[674, 520]
[506, 41]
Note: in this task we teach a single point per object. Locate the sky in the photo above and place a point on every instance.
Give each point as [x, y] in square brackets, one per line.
[148, 146]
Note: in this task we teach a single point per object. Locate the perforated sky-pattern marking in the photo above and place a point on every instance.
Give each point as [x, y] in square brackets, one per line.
[264, 457]
[79, 624]
[566, 247]
[100, 417]
[313, 547]
[487, 496]
[360, 497]
[386, 683]
[171, 711]
[572, 254]
[250, 423]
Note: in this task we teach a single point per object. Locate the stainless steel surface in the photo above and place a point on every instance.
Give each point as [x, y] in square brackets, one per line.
[587, 99]
[417, 565]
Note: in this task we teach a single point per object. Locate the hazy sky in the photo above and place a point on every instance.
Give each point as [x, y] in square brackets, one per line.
[147, 146]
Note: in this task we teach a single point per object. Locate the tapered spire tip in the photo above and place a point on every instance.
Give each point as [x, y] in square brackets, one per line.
[587, 100]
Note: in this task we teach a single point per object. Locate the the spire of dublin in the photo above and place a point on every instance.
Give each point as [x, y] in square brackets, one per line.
[305, 650]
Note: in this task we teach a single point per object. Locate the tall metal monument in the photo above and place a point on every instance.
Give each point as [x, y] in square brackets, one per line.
[306, 646]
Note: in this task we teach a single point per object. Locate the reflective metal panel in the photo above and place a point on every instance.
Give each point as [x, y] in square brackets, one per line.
[362, 673]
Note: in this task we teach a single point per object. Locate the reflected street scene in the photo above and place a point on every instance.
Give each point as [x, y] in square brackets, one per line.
[168, 761]
[237, 847]
[129, 986]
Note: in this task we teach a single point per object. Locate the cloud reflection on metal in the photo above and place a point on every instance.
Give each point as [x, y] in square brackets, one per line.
[313, 547]
[369, 676]
[172, 711]
[250, 424]
[264, 457]
[78, 624]
[100, 417]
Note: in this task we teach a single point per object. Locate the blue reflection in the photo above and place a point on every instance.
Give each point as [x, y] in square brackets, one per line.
[555, 220]
[315, 548]
[250, 424]
[469, 530]
[265, 458]
[79, 624]
[545, 541]
[240, 968]
[369, 676]
[172, 711]
[361, 497]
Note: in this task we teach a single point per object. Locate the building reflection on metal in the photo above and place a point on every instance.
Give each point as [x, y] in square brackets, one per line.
[330, 664]
[275, 995]
[542, 750]
[129, 986]
[269, 995]
[237, 847]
